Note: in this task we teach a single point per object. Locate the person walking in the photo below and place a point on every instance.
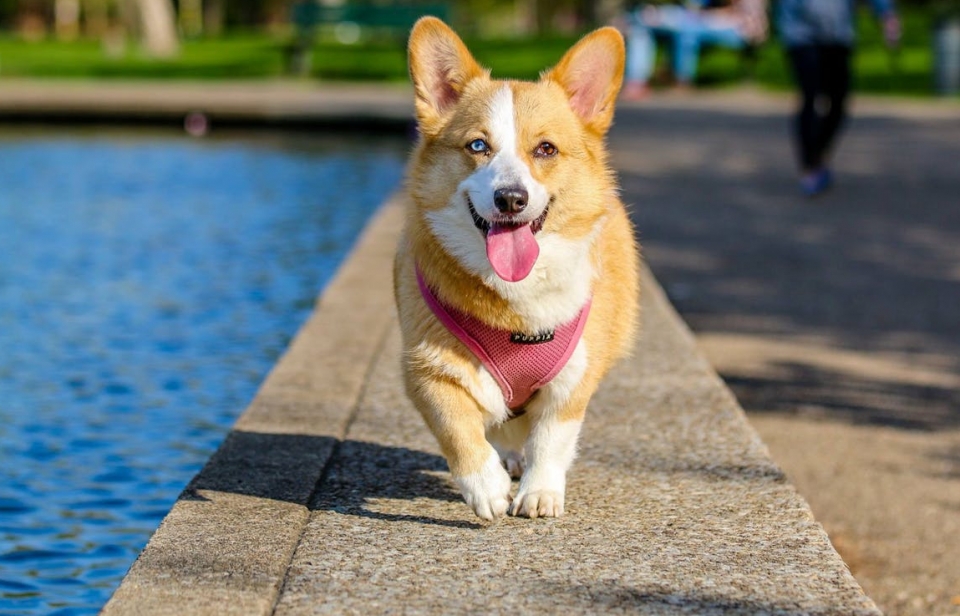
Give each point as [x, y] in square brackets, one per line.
[818, 36]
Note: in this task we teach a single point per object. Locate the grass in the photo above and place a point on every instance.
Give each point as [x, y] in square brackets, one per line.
[257, 56]
[249, 56]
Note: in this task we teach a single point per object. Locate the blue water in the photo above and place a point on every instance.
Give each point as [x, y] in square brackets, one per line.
[147, 284]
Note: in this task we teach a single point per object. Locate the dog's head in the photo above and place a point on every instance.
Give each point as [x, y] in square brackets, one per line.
[507, 170]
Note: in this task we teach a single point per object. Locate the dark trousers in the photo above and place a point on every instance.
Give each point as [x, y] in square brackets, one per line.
[823, 75]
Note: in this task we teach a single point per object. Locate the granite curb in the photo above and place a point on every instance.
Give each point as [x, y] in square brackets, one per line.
[270, 103]
[329, 496]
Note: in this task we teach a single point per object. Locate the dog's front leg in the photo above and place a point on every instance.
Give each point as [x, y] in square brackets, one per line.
[555, 417]
[549, 452]
[458, 425]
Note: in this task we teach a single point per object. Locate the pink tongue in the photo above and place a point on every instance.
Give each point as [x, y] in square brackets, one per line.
[512, 251]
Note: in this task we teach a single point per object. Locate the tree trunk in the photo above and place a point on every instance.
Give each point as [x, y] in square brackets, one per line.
[96, 22]
[191, 17]
[158, 27]
[67, 19]
[213, 16]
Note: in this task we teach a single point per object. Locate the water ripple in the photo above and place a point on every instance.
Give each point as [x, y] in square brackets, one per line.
[147, 283]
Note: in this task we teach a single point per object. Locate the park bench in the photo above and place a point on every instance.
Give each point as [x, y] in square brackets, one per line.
[351, 21]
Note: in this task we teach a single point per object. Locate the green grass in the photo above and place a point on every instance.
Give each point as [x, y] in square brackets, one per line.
[259, 56]
[228, 57]
[256, 56]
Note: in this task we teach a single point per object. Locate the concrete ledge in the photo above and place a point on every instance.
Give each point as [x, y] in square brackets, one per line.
[274, 103]
[329, 496]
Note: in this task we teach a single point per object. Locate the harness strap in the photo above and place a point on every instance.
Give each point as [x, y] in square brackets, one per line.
[521, 363]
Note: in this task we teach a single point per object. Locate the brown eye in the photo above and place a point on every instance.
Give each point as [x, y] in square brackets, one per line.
[546, 150]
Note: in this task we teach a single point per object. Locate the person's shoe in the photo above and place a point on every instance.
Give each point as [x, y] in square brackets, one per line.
[816, 182]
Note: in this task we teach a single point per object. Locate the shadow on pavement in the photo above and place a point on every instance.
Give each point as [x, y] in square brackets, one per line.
[817, 393]
[608, 596]
[327, 475]
[363, 472]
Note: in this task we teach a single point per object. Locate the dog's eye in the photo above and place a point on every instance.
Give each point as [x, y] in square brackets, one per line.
[546, 150]
[478, 146]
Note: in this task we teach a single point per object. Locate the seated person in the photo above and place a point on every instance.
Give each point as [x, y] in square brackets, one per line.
[686, 28]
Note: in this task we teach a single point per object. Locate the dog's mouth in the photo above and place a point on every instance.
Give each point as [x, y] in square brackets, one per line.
[484, 225]
[512, 248]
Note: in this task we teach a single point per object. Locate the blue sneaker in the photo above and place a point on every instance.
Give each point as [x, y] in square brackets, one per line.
[813, 184]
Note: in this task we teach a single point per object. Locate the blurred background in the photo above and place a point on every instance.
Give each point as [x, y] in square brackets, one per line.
[363, 40]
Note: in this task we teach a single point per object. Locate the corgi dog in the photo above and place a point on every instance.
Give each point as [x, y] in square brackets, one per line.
[516, 276]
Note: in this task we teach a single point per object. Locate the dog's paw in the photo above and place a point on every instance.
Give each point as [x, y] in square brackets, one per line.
[538, 504]
[488, 491]
[513, 462]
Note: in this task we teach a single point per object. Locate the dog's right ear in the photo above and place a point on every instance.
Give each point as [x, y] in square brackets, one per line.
[440, 68]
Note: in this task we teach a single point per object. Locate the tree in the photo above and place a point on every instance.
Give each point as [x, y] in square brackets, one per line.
[155, 23]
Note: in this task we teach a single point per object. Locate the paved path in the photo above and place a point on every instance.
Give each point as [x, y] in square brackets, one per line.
[835, 321]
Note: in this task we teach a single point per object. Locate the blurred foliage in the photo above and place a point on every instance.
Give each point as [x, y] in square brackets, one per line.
[257, 56]
[261, 55]
[8, 9]
[945, 9]
[905, 70]
[238, 56]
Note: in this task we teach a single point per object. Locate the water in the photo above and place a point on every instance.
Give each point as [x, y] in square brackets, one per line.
[147, 284]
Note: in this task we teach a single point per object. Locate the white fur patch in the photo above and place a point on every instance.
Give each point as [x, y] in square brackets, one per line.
[490, 397]
[508, 439]
[557, 392]
[488, 491]
[549, 452]
[503, 125]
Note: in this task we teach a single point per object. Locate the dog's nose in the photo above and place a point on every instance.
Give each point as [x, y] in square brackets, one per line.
[511, 200]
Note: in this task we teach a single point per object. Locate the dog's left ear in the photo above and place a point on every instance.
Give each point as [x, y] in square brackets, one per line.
[591, 73]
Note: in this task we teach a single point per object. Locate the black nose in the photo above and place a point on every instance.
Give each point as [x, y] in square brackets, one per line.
[510, 200]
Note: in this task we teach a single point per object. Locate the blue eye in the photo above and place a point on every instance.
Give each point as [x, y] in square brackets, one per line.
[478, 146]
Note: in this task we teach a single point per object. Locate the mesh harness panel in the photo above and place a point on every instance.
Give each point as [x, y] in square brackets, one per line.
[520, 363]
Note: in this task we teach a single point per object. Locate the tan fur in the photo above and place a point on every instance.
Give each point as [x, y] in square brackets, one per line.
[439, 371]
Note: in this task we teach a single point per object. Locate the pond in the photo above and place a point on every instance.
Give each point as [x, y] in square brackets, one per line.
[147, 284]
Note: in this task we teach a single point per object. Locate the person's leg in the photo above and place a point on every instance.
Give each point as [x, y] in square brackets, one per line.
[641, 52]
[686, 52]
[835, 79]
[815, 178]
[806, 70]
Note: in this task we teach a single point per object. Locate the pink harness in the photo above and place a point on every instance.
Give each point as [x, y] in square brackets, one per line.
[520, 363]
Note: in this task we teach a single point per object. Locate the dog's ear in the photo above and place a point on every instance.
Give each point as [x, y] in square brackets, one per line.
[591, 73]
[440, 68]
